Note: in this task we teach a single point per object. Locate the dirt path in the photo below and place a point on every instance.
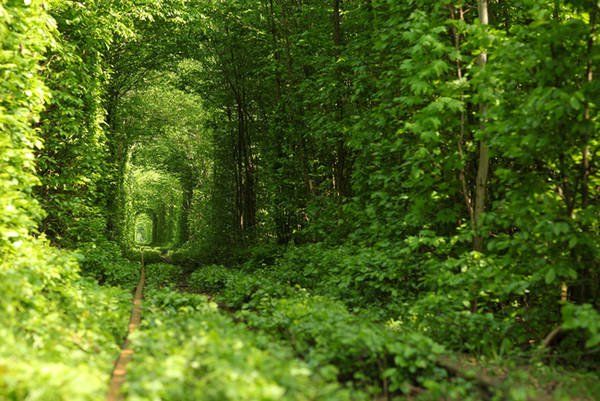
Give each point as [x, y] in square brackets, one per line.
[120, 370]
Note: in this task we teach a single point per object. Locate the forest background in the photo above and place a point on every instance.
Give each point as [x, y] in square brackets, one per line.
[430, 164]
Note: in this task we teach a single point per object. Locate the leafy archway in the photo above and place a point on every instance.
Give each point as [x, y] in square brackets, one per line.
[144, 228]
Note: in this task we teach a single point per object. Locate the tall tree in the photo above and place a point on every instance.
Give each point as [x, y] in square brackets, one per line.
[483, 165]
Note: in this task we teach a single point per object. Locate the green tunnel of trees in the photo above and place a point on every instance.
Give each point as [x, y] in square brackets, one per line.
[435, 161]
[144, 226]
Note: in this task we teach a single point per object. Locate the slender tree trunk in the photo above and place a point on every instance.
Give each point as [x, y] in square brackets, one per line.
[188, 194]
[277, 53]
[483, 165]
[337, 26]
[587, 288]
[280, 119]
[589, 76]
[240, 167]
[341, 163]
[235, 152]
[246, 164]
[467, 195]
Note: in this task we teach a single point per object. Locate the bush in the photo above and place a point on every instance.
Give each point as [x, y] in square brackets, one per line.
[102, 260]
[60, 333]
[186, 350]
[209, 279]
[325, 333]
[161, 275]
[362, 278]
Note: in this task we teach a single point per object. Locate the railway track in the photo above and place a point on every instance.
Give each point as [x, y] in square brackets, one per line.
[119, 373]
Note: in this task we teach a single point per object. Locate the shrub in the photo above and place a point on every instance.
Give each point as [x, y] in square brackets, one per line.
[325, 333]
[60, 333]
[186, 350]
[102, 260]
[161, 275]
[209, 279]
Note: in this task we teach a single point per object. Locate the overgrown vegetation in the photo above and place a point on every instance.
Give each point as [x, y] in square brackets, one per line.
[60, 330]
[387, 199]
[213, 358]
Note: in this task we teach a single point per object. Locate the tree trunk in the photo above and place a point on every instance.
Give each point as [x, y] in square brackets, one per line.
[466, 191]
[483, 165]
[341, 163]
[587, 287]
[589, 76]
[188, 194]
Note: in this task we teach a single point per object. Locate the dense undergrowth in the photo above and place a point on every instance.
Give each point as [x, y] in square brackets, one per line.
[394, 357]
[187, 349]
[434, 297]
[390, 183]
[60, 331]
[323, 331]
[259, 338]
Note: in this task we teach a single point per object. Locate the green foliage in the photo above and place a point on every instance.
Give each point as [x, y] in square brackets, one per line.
[143, 229]
[361, 128]
[583, 317]
[360, 277]
[325, 333]
[60, 333]
[71, 164]
[102, 261]
[187, 350]
[401, 106]
[26, 31]
[338, 150]
[158, 196]
[209, 279]
[161, 275]
[163, 160]
[393, 357]
[364, 353]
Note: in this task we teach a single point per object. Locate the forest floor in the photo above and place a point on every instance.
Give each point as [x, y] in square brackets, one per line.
[192, 345]
[119, 373]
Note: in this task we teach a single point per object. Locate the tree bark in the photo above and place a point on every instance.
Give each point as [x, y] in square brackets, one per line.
[341, 184]
[483, 165]
[467, 193]
[589, 76]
